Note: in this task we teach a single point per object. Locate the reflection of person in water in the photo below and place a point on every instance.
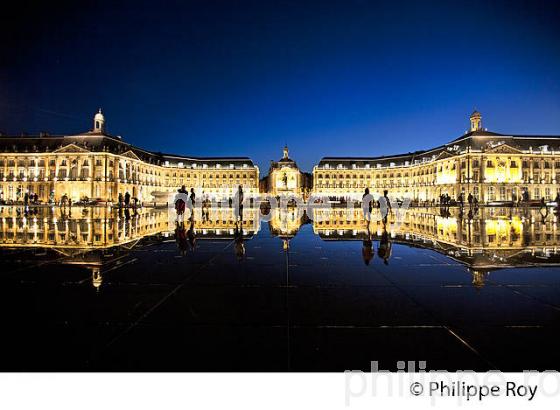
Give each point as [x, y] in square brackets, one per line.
[543, 211]
[385, 246]
[239, 245]
[185, 239]
[367, 247]
[444, 212]
[63, 215]
[191, 235]
[206, 209]
[181, 237]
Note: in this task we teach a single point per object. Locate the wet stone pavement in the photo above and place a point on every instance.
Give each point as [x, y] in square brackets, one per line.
[312, 306]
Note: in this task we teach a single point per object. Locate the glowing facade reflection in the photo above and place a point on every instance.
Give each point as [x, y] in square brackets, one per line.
[484, 239]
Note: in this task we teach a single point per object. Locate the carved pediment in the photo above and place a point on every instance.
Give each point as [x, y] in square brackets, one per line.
[503, 149]
[444, 154]
[71, 148]
[130, 154]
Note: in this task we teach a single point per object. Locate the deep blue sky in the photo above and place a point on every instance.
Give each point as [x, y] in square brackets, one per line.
[244, 77]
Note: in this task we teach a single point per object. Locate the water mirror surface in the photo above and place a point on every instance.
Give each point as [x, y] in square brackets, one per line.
[102, 289]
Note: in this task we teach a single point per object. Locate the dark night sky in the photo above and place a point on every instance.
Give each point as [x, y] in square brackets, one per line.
[244, 77]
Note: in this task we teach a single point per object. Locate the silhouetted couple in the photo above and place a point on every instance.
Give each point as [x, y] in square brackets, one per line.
[180, 204]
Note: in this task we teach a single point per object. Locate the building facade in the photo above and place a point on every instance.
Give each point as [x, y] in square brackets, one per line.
[490, 166]
[97, 165]
[286, 179]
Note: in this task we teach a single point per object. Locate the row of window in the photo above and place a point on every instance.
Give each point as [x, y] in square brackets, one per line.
[475, 164]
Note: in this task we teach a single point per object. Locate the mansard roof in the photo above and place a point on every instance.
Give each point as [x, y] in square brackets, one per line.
[102, 142]
[284, 162]
[481, 140]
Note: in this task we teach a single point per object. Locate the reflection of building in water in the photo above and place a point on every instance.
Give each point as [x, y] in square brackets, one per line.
[479, 276]
[285, 178]
[490, 166]
[285, 224]
[222, 222]
[96, 278]
[100, 227]
[97, 165]
[87, 228]
[491, 238]
[96, 238]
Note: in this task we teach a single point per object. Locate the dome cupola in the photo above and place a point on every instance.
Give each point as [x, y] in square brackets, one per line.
[476, 121]
[99, 122]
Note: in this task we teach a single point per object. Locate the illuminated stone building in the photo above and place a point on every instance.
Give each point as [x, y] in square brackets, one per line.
[285, 178]
[97, 165]
[491, 166]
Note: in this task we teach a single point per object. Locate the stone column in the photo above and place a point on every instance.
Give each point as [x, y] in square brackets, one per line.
[482, 179]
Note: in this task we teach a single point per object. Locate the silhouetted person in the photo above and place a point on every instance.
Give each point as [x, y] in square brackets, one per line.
[120, 199]
[127, 199]
[193, 197]
[180, 202]
[470, 199]
[386, 196]
[384, 206]
[239, 197]
[367, 208]
[26, 199]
